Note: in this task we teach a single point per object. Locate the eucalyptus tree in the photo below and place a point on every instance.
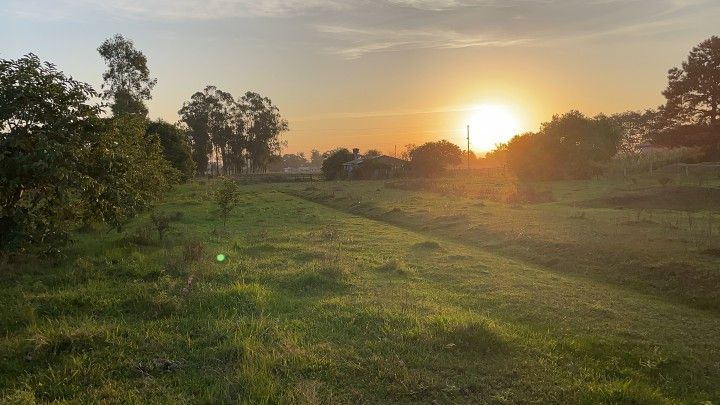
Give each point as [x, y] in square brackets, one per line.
[127, 79]
[263, 126]
[243, 133]
[208, 118]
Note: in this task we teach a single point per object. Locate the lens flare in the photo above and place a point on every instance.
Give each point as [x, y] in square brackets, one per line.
[220, 257]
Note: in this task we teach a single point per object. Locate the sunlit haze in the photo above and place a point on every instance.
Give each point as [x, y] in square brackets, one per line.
[381, 74]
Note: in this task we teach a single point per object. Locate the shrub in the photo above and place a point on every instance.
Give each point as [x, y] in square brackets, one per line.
[175, 147]
[433, 158]
[161, 222]
[226, 197]
[569, 146]
[332, 165]
[46, 123]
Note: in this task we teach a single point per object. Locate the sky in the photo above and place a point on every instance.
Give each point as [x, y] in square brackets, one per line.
[381, 73]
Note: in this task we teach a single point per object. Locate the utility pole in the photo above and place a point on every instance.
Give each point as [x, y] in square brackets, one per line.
[468, 148]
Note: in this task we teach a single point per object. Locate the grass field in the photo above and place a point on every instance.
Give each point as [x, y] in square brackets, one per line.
[365, 292]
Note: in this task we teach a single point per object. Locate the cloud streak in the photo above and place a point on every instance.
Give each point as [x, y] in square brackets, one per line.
[353, 29]
[363, 41]
[172, 10]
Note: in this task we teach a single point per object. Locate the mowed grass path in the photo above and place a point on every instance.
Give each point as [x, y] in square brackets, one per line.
[316, 305]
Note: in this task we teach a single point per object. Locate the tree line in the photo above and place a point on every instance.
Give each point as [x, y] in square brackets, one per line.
[65, 162]
[428, 159]
[242, 134]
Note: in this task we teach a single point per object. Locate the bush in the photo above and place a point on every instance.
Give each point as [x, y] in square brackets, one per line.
[569, 146]
[226, 197]
[433, 158]
[332, 165]
[62, 165]
[175, 147]
[161, 222]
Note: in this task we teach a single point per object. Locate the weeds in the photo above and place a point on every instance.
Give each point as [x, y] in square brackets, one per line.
[161, 222]
[141, 236]
[193, 251]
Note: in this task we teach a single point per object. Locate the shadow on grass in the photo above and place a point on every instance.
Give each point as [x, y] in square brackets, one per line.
[319, 279]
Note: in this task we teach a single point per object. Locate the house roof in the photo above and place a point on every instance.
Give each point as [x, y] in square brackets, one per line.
[382, 158]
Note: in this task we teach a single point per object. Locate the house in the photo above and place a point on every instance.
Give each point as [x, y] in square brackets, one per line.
[373, 167]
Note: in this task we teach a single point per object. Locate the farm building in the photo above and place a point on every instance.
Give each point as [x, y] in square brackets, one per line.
[373, 167]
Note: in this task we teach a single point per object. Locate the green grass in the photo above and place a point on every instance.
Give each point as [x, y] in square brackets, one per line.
[374, 295]
[665, 251]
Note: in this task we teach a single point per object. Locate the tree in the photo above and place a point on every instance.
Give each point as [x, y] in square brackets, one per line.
[294, 160]
[332, 165]
[127, 171]
[373, 153]
[60, 164]
[176, 149]
[693, 91]
[263, 125]
[405, 154]
[433, 158]
[316, 158]
[237, 133]
[637, 128]
[569, 146]
[208, 118]
[46, 121]
[127, 80]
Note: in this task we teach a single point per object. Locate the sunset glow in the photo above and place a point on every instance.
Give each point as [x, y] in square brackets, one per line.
[491, 124]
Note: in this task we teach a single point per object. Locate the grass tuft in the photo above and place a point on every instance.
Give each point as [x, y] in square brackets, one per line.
[427, 245]
[470, 336]
[394, 266]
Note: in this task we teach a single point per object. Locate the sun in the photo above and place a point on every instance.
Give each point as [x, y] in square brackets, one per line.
[491, 124]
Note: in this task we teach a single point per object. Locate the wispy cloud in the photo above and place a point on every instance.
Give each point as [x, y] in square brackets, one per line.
[361, 41]
[173, 10]
[454, 24]
[435, 5]
[352, 29]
